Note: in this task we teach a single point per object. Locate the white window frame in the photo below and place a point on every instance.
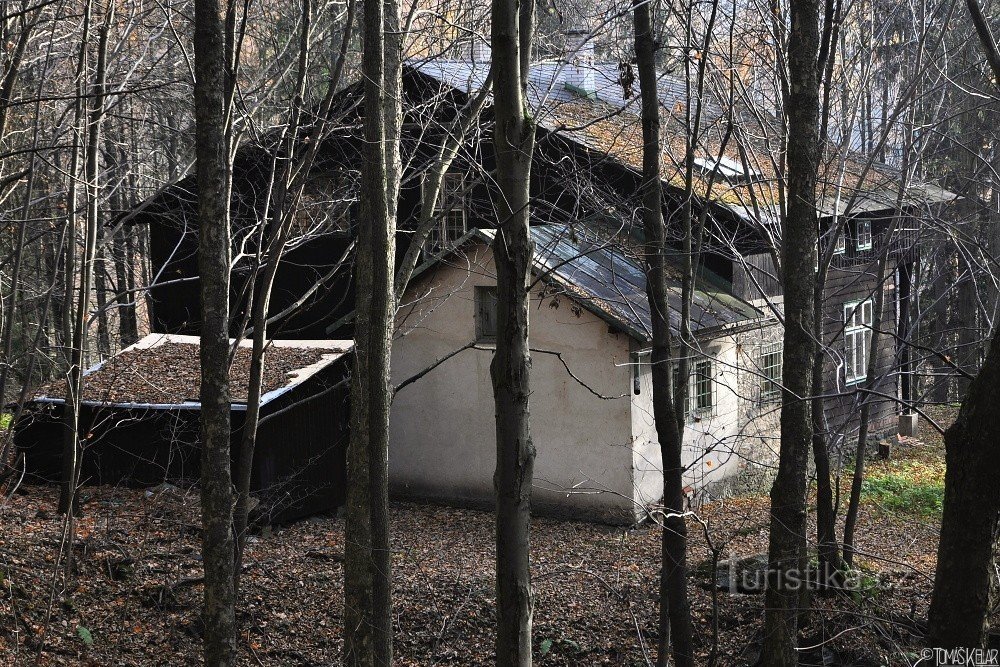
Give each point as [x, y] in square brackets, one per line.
[449, 213]
[864, 234]
[858, 319]
[840, 246]
[770, 372]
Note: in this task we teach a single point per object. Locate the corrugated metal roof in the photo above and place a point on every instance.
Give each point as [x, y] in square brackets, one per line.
[607, 278]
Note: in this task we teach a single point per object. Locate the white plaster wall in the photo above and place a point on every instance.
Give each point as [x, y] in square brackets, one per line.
[442, 442]
[711, 448]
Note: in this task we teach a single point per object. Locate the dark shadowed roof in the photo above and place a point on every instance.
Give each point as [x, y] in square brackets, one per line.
[164, 370]
[605, 276]
[605, 122]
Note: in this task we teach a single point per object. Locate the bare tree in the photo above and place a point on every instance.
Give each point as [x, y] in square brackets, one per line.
[85, 280]
[675, 615]
[290, 169]
[214, 166]
[786, 549]
[367, 562]
[514, 141]
[964, 588]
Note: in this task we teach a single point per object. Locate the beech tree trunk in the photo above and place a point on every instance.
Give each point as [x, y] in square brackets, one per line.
[786, 548]
[675, 615]
[213, 158]
[367, 562]
[514, 142]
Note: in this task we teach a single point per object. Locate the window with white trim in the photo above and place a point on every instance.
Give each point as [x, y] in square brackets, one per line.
[486, 313]
[857, 340]
[700, 389]
[449, 213]
[770, 373]
[841, 246]
[864, 229]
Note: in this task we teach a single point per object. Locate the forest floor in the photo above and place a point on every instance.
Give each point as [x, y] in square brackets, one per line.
[134, 595]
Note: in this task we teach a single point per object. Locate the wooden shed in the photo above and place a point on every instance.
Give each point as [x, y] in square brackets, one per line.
[140, 422]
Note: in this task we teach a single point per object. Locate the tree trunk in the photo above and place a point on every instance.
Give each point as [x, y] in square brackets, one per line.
[826, 515]
[72, 353]
[962, 597]
[214, 183]
[970, 339]
[367, 563]
[128, 321]
[941, 335]
[958, 615]
[786, 549]
[101, 297]
[963, 590]
[514, 141]
[675, 616]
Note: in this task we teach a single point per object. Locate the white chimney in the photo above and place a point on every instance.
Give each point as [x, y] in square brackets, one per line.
[578, 74]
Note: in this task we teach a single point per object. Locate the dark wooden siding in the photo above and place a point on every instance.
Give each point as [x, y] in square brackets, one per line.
[299, 463]
[130, 447]
[755, 277]
[846, 285]
[302, 443]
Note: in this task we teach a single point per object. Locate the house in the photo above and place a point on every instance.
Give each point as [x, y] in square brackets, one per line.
[585, 176]
[591, 397]
[140, 421]
[588, 119]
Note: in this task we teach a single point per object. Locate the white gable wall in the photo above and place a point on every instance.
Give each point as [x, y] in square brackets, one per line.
[711, 442]
[442, 439]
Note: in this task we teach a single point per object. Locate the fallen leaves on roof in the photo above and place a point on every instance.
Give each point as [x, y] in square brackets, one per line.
[170, 373]
[617, 133]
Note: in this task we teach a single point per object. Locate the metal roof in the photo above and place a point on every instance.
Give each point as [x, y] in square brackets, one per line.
[548, 85]
[607, 278]
[605, 122]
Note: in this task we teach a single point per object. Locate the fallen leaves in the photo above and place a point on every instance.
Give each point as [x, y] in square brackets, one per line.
[170, 373]
[137, 590]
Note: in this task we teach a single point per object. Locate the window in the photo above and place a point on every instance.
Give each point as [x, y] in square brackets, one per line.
[857, 337]
[732, 171]
[770, 373]
[449, 212]
[841, 246]
[701, 387]
[864, 234]
[486, 313]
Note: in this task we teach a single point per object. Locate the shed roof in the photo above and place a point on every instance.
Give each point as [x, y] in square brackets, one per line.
[606, 276]
[163, 371]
